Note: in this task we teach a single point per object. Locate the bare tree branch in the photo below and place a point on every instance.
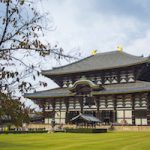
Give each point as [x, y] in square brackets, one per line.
[7, 22]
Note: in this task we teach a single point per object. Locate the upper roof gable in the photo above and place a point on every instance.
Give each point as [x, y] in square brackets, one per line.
[100, 61]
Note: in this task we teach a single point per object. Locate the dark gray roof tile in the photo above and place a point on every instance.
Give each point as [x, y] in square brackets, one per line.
[99, 61]
[139, 86]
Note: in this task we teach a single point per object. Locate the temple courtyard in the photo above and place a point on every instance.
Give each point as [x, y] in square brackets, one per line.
[67, 141]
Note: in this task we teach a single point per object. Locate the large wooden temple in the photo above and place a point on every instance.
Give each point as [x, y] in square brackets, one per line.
[112, 86]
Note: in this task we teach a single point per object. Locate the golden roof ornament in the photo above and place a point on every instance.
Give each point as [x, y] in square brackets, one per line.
[94, 52]
[120, 48]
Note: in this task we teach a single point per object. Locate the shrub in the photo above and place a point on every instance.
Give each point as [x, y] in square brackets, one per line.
[85, 130]
[22, 132]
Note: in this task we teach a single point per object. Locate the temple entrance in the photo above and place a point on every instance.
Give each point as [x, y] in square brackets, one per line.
[83, 89]
[93, 113]
[107, 116]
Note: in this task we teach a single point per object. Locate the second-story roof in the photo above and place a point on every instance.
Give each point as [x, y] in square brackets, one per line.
[139, 86]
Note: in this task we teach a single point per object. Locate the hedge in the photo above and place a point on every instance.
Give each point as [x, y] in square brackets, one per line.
[21, 132]
[85, 130]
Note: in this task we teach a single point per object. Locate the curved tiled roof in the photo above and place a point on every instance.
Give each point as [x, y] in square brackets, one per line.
[86, 117]
[57, 92]
[100, 61]
[139, 86]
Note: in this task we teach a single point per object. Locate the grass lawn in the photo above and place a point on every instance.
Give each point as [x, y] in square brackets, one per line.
[67, 141]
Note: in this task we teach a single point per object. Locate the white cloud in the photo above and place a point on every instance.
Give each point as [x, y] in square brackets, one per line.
[141, 45]
[81, 28]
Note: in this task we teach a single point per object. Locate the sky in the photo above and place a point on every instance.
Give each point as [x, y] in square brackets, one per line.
[83, 25]
[80, 26]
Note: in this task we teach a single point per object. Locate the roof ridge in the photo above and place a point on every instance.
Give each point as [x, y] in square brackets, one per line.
[121, 52]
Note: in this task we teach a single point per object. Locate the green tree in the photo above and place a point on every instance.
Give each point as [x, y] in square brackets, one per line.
[13, 112]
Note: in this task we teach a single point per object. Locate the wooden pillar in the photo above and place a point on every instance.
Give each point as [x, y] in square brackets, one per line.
[96, 100]
[133, 109]
[66, 101]
[53, 111]
[115, 109]
[99, 111]
[148, 109]
[118, 76]
[103, 78]
[81, 104]
[106, 102]
[123, 100]
[135, 74]
[100, 115]
[43, 111]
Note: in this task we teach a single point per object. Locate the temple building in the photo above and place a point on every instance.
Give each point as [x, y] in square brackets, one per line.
[113, 87]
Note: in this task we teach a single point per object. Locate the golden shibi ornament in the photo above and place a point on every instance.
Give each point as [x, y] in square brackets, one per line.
[94, 52]
[120, 48]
